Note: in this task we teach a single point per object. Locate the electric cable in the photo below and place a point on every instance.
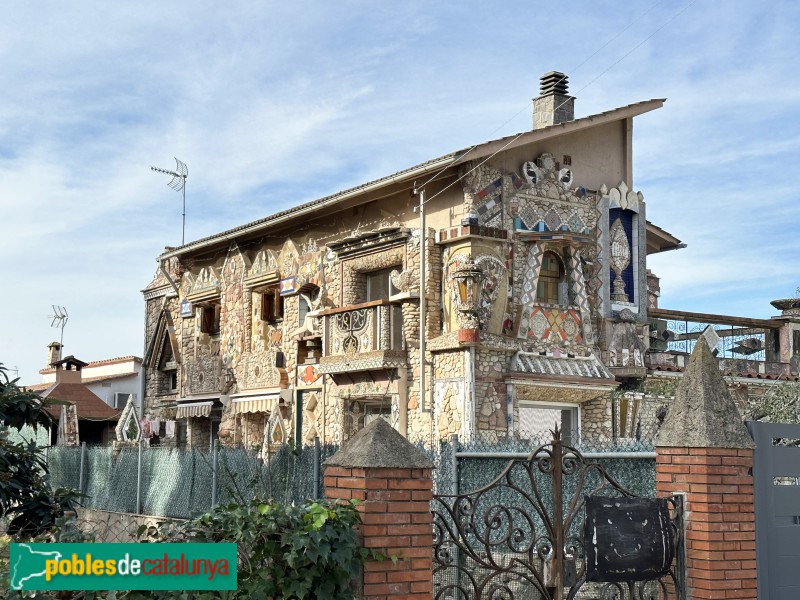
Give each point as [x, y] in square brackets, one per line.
[519, 135]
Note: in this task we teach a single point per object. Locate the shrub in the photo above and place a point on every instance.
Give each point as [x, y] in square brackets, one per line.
[298, 551]
[26, 497]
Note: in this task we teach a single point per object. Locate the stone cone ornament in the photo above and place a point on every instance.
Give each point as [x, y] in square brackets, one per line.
[703, 414]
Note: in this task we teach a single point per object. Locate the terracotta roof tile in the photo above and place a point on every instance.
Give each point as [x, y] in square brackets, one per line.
[89, 405]
[97, 363]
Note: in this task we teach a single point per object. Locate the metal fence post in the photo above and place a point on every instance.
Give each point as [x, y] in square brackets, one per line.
[459, 559]
[139, 481]
[80, 470]
[317, 461]
[214, 466]
[454, 462]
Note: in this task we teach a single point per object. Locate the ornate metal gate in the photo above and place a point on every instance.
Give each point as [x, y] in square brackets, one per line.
[522, 536]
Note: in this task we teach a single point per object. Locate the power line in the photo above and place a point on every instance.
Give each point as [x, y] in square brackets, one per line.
[527, 106]
[516, 137]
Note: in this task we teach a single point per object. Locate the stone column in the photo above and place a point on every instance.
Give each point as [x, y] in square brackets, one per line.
[705, 452]
[393, 480]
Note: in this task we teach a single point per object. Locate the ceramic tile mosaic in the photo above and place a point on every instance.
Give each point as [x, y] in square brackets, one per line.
[555, 324]
[530, 278]
[579, 291]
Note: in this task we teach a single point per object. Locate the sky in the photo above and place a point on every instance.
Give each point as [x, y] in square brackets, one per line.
[271, 104]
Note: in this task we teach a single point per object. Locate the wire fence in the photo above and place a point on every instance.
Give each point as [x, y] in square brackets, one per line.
[463, 467]
[185, 482]
[182, 483]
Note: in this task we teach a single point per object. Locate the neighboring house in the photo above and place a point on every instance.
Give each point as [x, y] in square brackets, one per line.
[84, 417]
[310, 322]
[112, 379]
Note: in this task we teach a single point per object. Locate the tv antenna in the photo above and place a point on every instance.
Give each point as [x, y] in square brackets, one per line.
[60, 317]
[177, 183]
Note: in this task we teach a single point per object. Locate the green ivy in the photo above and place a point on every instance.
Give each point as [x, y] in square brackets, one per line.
[306, 551]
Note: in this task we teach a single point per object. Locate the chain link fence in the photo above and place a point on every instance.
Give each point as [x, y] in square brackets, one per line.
[182, 483]
[462, 467]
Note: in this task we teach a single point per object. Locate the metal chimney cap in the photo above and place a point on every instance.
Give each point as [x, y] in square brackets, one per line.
[553, 82]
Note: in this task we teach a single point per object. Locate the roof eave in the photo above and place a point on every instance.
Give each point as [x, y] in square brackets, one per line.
[449, 160]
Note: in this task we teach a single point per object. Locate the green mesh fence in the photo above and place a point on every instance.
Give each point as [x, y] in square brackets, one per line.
[40, 435]
[178, 482]
[64, 466]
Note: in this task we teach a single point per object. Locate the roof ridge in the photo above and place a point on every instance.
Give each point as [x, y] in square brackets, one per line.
[429, 165]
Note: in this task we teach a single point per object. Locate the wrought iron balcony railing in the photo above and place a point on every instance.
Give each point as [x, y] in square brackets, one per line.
[362, 335]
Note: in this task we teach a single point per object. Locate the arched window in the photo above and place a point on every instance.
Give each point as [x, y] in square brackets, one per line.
[550, 276]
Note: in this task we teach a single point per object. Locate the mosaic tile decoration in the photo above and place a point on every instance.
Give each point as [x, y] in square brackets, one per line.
[530, 279]
[492, 208]
[579, 291]
[555, 324]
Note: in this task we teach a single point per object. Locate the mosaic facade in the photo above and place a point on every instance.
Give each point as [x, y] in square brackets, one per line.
[313, 316]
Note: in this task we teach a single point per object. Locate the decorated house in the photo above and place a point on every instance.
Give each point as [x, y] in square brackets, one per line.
[488, 293]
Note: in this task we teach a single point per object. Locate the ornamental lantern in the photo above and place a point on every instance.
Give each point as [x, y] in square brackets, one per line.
[467, 278]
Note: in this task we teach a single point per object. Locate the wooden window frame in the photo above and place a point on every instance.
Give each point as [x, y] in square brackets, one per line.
[549, 283]
[272, 309]
[210, 319]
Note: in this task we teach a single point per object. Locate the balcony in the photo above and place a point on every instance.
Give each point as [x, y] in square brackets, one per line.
[363, 337]
[745, 347]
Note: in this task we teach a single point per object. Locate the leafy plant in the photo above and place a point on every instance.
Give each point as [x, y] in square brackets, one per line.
[26, 497]
[297, 551]
[779, 404]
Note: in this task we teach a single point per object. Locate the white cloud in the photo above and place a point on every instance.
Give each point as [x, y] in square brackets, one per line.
[273, 103]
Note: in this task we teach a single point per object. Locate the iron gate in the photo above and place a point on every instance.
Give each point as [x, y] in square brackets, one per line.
[522, 536]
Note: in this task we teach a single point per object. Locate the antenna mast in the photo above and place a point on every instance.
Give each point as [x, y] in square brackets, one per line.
[60, 318]
[178, 183]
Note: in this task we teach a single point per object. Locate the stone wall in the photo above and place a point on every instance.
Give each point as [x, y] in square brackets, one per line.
[252, 347]
[596, 425]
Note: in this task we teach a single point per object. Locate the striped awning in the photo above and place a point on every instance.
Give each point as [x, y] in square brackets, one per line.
[194, 409]
[255, 404]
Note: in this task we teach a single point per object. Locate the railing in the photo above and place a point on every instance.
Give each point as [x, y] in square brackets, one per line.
[368, 327]
[677, 361]
[735, 337]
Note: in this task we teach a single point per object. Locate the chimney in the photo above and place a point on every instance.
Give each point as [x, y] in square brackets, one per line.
[553, 106]
[69, 370]
[53, 353]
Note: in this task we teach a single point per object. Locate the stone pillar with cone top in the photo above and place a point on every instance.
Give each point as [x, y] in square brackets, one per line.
[705, 452]
[392, 479]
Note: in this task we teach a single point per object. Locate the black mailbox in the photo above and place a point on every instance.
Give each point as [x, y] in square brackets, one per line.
[627, 539]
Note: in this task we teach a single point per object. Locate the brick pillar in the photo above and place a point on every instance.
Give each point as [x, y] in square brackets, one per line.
[393, 480]
[720, 518]
[705, 452]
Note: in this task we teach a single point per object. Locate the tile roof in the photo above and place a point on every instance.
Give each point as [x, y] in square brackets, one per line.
[744, 374]
[98, 363]
[477, 151]
[89, 405]
[560, 366]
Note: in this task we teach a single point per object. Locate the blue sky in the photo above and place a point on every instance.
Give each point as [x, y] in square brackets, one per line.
[275, 103]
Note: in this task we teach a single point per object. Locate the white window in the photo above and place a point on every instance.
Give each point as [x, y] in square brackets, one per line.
[537, 420]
